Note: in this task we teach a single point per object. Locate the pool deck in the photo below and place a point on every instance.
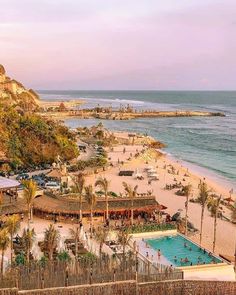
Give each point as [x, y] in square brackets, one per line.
[220, 271]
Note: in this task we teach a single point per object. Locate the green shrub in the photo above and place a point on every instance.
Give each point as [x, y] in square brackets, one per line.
[64, 256]
[150, 228]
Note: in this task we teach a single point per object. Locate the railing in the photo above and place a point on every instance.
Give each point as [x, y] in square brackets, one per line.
[168, 276]
[85, 271]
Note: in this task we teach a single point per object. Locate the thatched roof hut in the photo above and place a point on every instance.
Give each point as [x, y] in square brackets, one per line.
[55, 173]
[15, 207]
[62, 205]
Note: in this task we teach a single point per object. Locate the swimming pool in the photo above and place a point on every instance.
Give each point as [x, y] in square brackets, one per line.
[176, 247]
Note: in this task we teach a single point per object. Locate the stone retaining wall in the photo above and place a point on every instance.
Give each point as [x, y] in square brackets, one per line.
[118, 288]
[13, 291]
[131, 288]
[188, 288]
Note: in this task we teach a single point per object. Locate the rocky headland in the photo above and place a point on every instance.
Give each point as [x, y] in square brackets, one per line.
[13, 93]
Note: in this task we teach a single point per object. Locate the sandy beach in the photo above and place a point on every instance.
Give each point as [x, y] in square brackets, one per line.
[226, 231]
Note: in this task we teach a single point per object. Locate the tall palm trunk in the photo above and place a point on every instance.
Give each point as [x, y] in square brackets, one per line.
[28, 253]
[80, 209]
[2, 262]
[235, 258]
[28, 217]
[11, 237]
[91, 220]
[123, 256]
[202, 217]
[100, 250]
[215, 226]
[132, 212]
[76, 243]
[107, 214]
[50, 253]
[186, 217]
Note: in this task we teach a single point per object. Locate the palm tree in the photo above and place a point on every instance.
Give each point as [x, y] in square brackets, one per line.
[203, 199]
[78, 188]
[101, 236]
[29, 194]
[4, 243]
[28, 238]
[75, 233]
[132, 193]
[91, 199]
[13, 226]
[187, 189]
[213, 205]
[1, 200]
[51, 239]
[233, 214]
[124, 239]
[103, 183]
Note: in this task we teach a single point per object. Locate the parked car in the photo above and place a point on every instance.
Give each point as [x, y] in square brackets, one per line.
[52, 185]
[40, 182]
[22, 176]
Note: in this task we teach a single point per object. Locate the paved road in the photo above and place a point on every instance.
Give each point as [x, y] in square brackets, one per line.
[90, 151]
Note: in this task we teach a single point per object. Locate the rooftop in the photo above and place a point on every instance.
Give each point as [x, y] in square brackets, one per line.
[68, 205]
[6, 183]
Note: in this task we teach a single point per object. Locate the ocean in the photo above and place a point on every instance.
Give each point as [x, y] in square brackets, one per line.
[206, 144]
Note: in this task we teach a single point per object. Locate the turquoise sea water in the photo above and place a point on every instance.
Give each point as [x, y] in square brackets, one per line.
[209, 143]
[172, 247]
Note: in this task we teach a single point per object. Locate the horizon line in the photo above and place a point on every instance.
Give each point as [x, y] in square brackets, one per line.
[142, 90]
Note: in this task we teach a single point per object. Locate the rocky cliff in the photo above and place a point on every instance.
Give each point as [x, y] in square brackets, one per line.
[26, 139]
[14, 93]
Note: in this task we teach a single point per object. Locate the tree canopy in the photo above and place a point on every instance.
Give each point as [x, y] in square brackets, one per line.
[28, 139]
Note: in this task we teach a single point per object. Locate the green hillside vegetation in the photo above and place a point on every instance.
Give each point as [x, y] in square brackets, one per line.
[29, 140]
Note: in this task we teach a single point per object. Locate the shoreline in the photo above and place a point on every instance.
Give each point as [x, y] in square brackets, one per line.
[199, 171]
[203, 172]
[225, 243]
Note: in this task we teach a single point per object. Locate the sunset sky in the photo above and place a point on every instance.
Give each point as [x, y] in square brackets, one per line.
[120, 44]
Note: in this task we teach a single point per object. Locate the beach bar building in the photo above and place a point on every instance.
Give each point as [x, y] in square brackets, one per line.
[8, 186]
[9, 196]
[68, 208]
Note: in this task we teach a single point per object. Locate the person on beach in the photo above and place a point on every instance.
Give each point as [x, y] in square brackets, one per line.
[159, 254]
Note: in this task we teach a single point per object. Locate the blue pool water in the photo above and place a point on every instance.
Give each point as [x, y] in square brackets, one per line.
[171, 246]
